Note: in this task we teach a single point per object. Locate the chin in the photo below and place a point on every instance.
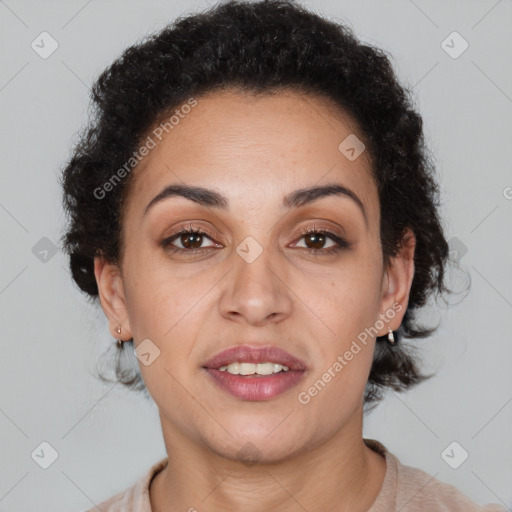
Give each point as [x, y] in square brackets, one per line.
[258, 450]
[263, 439]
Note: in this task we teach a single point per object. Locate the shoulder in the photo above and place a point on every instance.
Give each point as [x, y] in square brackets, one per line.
[420, 491]
[412, 490]
[135, 498]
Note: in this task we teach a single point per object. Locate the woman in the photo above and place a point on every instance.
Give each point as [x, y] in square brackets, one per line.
[255, 210]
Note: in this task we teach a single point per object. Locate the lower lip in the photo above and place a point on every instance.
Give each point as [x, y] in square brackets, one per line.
[256, 388]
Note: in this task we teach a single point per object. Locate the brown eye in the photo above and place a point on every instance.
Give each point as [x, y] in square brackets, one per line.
[320, 242]
[189, 240]
[315, 240]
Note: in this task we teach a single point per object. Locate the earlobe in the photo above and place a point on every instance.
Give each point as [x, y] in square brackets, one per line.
[397, 280]
[111, 294]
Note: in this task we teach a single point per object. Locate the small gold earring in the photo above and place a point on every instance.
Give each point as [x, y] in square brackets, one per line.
[119, 341]
[391, 337]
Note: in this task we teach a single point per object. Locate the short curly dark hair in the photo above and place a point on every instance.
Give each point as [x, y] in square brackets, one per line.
[262, 47]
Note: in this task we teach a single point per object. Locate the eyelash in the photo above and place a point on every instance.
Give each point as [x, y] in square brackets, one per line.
[341, 243]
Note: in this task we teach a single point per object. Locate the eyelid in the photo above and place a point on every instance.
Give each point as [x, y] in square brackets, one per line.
[319, 227]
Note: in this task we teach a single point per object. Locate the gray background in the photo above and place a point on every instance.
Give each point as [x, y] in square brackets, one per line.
[107, 437]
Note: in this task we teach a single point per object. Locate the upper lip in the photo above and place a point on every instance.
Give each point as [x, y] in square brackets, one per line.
[249, 354]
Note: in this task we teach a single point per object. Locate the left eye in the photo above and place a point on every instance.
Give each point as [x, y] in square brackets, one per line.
[316, 238]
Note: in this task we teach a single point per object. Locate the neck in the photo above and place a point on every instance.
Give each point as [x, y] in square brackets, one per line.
[342, 470]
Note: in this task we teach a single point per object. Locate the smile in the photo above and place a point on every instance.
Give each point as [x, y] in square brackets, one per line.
[255, 373]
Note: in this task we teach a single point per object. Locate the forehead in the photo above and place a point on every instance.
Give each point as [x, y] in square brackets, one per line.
[255, 148]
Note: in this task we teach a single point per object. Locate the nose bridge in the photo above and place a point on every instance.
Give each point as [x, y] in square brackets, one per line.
[255, 292]
[254, 237]
[254, 263]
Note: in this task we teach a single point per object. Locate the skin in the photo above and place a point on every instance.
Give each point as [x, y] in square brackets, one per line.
[255, 150]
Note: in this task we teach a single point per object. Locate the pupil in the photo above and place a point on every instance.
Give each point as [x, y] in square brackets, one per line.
[318, 240]
[189, 240]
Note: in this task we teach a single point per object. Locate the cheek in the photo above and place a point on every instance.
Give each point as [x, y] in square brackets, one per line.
[342, 362]
[170, 310]
[154, 294]
[348, 305]
[158, 304]
[351, 298]
[347, 349]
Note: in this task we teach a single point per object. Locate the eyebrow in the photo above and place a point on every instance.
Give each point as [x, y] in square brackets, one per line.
[213, 199]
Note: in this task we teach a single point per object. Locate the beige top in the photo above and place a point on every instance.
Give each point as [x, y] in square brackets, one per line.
[404, 489]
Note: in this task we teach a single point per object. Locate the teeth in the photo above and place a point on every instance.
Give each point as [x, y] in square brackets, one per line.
[252, 368]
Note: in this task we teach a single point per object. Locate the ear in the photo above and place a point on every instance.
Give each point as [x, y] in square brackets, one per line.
[111, 294]
[397, 281]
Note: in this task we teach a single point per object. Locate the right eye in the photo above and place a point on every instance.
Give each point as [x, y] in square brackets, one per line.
[190, 239]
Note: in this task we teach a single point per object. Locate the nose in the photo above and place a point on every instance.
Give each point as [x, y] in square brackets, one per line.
[255, 290]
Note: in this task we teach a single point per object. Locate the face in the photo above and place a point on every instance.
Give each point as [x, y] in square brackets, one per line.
[271, 267]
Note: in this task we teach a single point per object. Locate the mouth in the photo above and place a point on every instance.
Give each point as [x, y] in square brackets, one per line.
[255, 373]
